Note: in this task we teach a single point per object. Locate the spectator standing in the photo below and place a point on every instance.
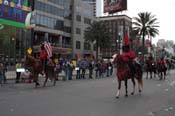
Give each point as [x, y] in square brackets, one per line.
[65, 70]
[110, 68]
[70, 69]
[90, 70]
[78, 70]
[57, 70]
[83, 68]
[97, 69]
[18, 73]
[1, 73]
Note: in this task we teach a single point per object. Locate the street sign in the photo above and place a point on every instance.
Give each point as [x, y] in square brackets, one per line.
[29, 50]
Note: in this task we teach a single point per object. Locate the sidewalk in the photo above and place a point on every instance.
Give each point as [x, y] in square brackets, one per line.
[12, 74]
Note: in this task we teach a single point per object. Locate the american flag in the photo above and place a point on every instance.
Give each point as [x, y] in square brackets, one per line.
[48, 49]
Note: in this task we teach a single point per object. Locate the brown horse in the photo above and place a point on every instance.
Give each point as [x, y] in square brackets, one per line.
[123, 74]
[37, 68]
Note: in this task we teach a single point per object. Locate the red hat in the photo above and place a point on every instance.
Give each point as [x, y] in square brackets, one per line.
[126, 39]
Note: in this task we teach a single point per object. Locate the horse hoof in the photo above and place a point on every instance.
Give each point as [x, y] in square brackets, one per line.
[117, 97]
[132, 93]
[140, 91]
[37, 84]
[126, 95]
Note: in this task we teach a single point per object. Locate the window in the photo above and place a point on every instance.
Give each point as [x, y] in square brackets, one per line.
[67, 29]
[87, 21]
[78, 31]
[94, 47]
[87, 46]
[78, 45]
[78, 17]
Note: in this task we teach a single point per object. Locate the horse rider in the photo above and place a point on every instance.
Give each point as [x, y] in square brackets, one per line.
[43, 56]
[149, 62]
[162, 62]
[128, 55]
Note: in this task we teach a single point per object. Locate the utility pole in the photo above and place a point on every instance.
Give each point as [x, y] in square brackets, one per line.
[32, 30]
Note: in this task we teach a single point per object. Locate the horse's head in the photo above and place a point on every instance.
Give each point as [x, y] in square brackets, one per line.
[118, 59]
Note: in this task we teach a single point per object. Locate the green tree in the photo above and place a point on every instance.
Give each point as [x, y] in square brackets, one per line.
[145, 25]
[97, 33]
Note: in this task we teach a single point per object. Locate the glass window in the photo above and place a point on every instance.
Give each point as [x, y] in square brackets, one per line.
[78, 31]
[78, 45]
[78, 18]
[37, 19]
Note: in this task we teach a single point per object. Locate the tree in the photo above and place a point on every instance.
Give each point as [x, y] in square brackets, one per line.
[145, 25]
[97, 33]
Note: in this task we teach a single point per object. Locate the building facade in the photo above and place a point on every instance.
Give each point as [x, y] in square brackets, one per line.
[117, 26]
[61, 22]
[82, 17]
[50, 26]
[94, 4]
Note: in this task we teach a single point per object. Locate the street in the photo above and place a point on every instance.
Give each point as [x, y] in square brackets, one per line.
[89, 97]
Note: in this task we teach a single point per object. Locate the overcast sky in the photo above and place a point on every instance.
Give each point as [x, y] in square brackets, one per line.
[164, 11]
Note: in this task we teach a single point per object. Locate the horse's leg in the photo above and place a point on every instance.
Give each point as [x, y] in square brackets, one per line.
[154, 73]
[46, 78]
[140, 84]
[36, 80]
[54, 77]
[161, 74]
[118, 91]
[133, 81]
[151, 74]
[126, 88]
[164, 74]
[147, 74]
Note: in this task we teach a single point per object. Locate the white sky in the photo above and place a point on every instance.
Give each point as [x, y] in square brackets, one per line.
[163, 9]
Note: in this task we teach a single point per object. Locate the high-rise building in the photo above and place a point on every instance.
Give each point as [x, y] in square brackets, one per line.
[93, 3]
[117, 26]
[82, 17]
[50, 26]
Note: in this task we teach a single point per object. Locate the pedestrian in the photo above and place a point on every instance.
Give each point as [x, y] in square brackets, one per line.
[1, 73]
[77, 68]
[90, 70]
[110, 68]
[18, 73]
[65, 70]
[57, 70]
[97, 68]
[83, 68]
[70, 69]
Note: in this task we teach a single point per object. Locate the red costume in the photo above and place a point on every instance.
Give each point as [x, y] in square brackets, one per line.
[43, 55]
[127, 55]
[161, 62]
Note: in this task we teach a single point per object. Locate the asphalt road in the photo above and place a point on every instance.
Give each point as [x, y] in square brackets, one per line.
[89, 97]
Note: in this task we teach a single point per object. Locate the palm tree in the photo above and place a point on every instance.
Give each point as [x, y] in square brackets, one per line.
[145, 25]
[97, 33]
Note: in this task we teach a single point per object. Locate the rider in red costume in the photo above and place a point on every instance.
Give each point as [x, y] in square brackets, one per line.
[128, 55]
[161, 62]
[43, 56]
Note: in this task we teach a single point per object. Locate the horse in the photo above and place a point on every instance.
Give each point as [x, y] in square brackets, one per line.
[123, 73]
[37, 68]
[150, 68]
[161, 69]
